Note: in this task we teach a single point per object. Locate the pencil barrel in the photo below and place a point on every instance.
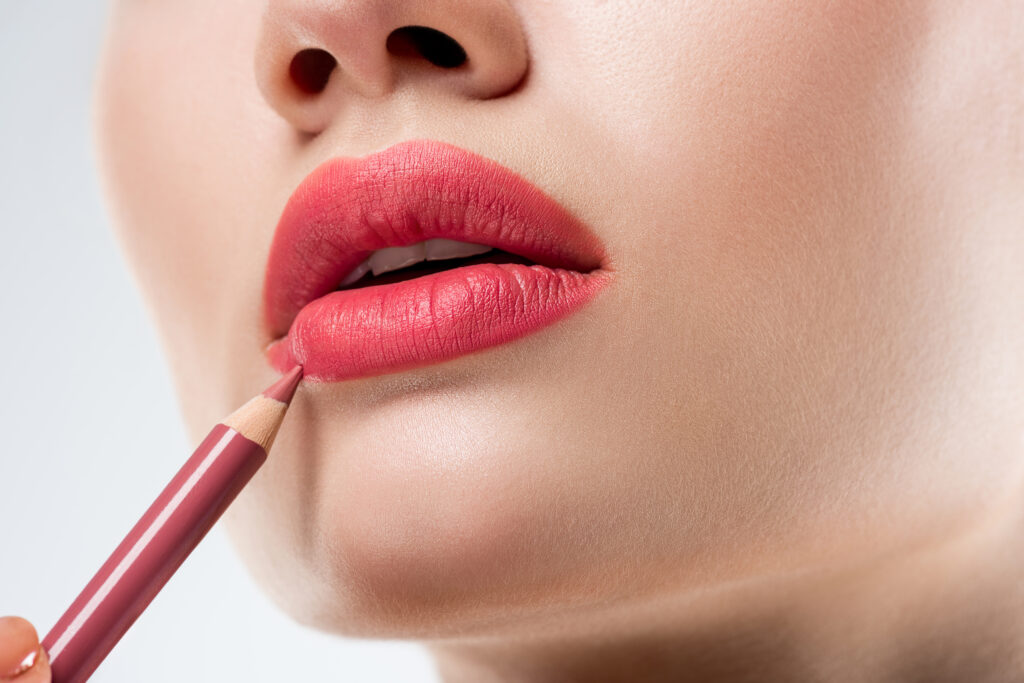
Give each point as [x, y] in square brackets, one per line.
[151, 552]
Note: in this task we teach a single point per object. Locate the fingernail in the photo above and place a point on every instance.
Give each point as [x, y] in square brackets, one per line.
[23, 666]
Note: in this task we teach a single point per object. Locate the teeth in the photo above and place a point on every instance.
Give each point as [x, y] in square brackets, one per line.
[361, 270]
[393, 258]
[439, 249]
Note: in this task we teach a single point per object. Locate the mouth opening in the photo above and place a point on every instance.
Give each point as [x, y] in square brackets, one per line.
[430, 267]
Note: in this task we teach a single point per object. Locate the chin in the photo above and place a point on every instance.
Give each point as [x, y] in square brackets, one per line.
[430, 517]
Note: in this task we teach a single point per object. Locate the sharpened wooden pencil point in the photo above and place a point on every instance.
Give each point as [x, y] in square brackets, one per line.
[260, 418]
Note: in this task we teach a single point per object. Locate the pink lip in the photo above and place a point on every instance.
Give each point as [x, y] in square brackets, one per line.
[414, 191]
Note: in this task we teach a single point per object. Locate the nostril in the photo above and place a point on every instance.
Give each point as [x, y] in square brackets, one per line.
[310, 70]
[436, 47]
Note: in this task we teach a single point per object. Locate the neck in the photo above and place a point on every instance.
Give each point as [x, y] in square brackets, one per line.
[949, 612]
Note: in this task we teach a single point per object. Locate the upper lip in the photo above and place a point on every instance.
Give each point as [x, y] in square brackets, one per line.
[410, 192]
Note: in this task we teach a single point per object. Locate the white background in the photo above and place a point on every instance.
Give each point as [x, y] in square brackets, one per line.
[78, 355]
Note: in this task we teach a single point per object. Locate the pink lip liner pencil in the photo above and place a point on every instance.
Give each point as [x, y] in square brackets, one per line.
[171, 528]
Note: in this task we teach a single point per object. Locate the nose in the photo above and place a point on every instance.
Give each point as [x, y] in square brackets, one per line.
[313, 55]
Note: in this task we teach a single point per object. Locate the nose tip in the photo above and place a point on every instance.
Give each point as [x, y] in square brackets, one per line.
[313, 56]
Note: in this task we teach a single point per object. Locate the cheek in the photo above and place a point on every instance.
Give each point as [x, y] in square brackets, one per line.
[790, 256]
[182, 134]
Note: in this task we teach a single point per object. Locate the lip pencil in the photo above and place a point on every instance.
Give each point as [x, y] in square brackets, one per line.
[165, 535]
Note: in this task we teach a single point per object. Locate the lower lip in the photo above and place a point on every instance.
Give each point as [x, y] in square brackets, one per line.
[388, 328]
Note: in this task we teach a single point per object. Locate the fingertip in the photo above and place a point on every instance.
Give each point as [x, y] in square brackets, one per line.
[19, 647]
[16, 625]
[35, 669]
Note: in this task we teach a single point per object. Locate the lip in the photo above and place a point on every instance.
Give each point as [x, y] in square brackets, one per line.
[410, 192]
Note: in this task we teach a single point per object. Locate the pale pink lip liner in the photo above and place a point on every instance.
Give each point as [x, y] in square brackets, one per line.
[165, 535]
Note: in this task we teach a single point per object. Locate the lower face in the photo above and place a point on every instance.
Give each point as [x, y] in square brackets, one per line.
[788, 370]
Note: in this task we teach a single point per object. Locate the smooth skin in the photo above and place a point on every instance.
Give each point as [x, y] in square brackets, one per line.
[786, 443]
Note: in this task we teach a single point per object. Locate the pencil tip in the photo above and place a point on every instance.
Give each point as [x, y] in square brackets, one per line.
[283, 389]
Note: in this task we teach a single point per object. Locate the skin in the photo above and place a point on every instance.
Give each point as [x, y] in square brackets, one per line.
[21, 656]
[786, 443]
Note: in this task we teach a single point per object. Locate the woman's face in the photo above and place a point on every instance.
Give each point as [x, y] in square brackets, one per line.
[806, 355]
